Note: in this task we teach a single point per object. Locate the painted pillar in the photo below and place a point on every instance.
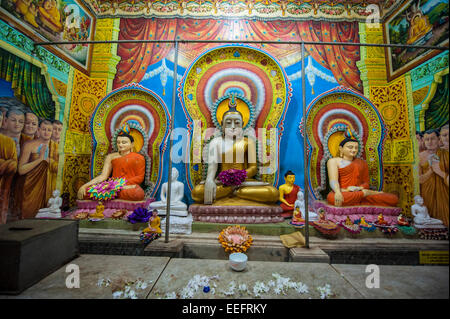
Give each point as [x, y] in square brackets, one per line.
[395, 103]
[85, 94]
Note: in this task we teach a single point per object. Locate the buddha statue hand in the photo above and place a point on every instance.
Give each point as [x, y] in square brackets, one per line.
[81, 192]
[338, 199]
[210, 191]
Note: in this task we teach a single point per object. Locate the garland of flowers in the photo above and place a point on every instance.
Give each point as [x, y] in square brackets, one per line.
[407, 230]
[370, 228]
[107, 190]
[147, 238]
[235, 239]
[389, 230]
[351, 228]
[232, 177]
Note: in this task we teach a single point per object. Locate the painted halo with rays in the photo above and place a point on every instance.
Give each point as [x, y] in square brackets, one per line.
[244, 106]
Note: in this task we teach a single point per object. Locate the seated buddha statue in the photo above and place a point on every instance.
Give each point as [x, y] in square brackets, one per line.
[349, 178]
[232, 150]
[288, 194]
[122, 164]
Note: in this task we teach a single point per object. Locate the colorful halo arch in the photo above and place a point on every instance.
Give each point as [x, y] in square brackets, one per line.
[146, 113]
[329, 114]
[253, 75]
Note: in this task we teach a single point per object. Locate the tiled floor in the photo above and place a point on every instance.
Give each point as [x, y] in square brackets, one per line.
[160, 277]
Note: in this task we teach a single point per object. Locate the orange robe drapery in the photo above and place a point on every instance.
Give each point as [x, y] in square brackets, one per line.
[435, 191]
[53, 158]
[8, 168]
[132, 168]
[357, 174]
[30, 190]
[290, 198]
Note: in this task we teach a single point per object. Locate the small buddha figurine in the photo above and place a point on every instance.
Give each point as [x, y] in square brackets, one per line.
[177, 207]
[363, 222]
[154, 224]
[300, 208]
[53, 210]
[288, 194]
[421, 217]
[381, 220]
[99, 209]
[348, 221]
[297, 216]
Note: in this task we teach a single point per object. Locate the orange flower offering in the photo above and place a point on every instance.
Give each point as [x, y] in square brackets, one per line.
[235, 239]
[82, 215]
[118, 214]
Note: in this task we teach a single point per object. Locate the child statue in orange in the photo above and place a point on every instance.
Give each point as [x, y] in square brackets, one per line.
[349, 179]
[123, 163]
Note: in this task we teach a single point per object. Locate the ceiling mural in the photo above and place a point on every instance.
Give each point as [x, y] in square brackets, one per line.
[355, 10]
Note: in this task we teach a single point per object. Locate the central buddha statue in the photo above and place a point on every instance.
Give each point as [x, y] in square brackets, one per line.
[231, 150]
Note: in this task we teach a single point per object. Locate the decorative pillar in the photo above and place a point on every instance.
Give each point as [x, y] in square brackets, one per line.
[104, 58]
[394, 101]
[372, 64]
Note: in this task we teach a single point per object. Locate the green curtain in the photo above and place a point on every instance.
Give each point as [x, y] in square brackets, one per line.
[28, 83]
[437, 113]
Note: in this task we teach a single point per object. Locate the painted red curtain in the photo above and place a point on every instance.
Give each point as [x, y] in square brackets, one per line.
[137, 57]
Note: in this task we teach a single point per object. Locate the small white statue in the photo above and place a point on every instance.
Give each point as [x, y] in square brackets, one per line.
[300, 203]
[177, 207]
[421, 217]
[53, 210]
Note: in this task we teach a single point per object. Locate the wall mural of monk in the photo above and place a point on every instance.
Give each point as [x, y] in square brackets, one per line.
[28, 160]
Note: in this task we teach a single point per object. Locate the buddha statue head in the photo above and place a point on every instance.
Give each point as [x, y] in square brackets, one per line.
[349, 146]
[289, 178]
[232, 121]
[125, 141]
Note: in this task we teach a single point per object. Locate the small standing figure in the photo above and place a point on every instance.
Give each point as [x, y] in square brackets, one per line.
[54, 207]
[421, 217]
[153, 231]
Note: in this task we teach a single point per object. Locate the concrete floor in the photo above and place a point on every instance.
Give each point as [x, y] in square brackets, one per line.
[162, 277]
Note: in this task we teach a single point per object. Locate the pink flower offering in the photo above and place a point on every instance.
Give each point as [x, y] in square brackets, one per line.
[232, 177]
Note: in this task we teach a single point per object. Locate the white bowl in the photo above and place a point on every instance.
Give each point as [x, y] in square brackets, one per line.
[238, 261]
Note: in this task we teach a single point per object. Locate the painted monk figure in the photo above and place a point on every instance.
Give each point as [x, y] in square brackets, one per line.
[53, 158]
[8, 168]
[349, 179]
[288, 194]
[123, 163]
[30, 128]
[433, 177]
[13, 125]
[31, 185]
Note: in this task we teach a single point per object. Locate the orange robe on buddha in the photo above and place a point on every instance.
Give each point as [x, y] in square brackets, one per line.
[357, 174]
[132, 168]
